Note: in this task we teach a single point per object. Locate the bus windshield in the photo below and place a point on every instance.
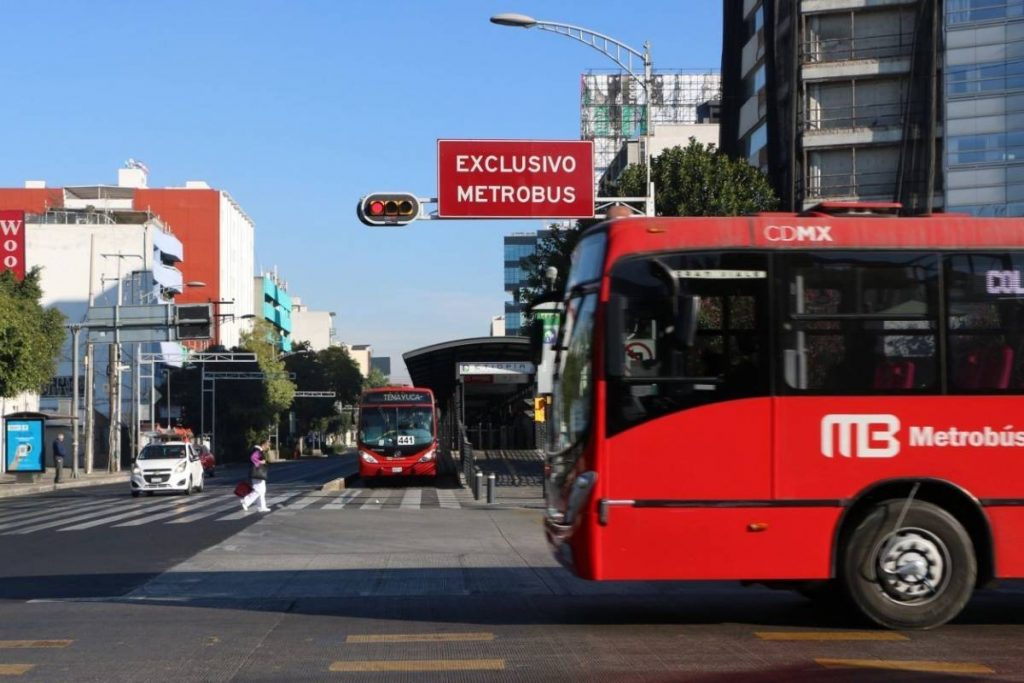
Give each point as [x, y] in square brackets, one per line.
[385, 426]
[575, 379]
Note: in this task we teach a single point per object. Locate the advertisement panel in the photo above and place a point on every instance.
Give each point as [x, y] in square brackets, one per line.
[12, 242]
[515, 179]
[23, 441]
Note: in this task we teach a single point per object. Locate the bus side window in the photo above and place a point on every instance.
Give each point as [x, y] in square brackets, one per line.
[661, 371]
[985, 322]
[859, 322]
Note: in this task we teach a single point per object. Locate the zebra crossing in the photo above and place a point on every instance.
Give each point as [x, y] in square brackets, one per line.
[217, 505]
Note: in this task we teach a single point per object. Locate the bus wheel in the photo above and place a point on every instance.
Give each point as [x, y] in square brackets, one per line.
[917, 576]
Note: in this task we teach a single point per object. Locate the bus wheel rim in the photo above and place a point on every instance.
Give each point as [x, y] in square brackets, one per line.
[913, 566]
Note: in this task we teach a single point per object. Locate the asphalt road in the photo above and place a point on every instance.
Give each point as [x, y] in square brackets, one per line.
[418, 582]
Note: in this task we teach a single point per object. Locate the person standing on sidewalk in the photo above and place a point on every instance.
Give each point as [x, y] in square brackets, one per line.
[60, 453]
[258, 476]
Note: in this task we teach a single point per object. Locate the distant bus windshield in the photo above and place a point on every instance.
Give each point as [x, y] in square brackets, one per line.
[384, 426]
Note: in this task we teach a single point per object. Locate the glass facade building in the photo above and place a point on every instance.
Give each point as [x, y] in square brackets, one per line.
[517, 247]
[984, 107]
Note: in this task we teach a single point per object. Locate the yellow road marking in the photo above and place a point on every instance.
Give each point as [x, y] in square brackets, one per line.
[829, 635]
[418, 637]
[15, 669]
[908, 665]
[421, 665]
[22, 644]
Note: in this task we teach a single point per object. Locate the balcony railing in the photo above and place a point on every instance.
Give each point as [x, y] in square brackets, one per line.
[885, 46]
[881, 115]
[851, 184]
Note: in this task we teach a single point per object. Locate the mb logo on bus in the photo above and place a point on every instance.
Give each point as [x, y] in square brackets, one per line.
[860, 436]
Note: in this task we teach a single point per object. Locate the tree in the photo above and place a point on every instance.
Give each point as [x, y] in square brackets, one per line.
[331, 369]
[246, 408]
[375, 379]
[31, 336]
[697, 180]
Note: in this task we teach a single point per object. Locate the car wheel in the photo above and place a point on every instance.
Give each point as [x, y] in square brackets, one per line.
[135, 494]
[917, 576]
[188, 489]
[202, 484]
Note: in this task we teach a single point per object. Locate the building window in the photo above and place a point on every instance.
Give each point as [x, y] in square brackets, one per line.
[985, 77]
[963, 11]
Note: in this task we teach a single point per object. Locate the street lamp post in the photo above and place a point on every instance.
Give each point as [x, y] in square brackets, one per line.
[114, 459]
[618, 52]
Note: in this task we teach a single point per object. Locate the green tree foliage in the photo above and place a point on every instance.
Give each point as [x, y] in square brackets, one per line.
[31, 336]
[245, 409]
[331, 369]
[375, 379]
[697, 180]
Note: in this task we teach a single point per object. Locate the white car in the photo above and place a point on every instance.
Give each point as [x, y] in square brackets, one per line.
[167, 466]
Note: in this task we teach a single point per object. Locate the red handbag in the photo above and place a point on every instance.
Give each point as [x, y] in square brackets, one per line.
[243, 489]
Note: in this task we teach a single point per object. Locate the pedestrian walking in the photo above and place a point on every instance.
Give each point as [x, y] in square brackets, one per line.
[258, 476]
[60, 452]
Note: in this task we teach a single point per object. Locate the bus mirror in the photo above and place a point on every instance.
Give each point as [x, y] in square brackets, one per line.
[687, 315]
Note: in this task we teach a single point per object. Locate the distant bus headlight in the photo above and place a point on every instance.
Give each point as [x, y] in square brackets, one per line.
[367, 457]
[427, 457]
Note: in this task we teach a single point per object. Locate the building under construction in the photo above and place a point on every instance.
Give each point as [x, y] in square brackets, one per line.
[612, 106]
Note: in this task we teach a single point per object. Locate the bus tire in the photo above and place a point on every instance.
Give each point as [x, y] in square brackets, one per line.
[918, 576]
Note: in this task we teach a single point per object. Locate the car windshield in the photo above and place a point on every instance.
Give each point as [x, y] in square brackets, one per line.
[162, 452]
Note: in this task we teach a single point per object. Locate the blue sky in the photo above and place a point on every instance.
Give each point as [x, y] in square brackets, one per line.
[298, 108]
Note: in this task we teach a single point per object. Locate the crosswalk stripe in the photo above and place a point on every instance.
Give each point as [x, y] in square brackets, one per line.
[225, 504]
[182, 508]
[33, 512]
[373, 501]
[137, 508]
[342, 500]
[446, 498]
[306, 501]
[270, 502]
[412, 499]
[67, 517]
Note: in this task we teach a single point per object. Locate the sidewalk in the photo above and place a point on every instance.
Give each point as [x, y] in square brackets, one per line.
[10, 486]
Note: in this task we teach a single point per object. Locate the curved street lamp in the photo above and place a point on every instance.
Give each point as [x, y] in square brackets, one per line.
[618, 52]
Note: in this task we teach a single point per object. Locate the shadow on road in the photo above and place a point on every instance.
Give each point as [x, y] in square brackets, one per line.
[485, 596]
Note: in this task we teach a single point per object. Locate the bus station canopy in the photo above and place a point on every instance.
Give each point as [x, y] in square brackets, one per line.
[436, 366]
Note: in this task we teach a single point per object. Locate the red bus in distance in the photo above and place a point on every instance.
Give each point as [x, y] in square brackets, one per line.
[397, 433]
[830, 400]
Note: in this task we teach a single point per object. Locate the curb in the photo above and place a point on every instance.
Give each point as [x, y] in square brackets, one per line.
[12, 490]
[339, 484]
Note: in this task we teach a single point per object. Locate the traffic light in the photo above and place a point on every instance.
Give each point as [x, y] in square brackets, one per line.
[192, 321]
[388, 208]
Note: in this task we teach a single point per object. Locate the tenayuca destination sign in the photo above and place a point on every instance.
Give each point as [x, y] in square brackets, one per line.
[515, 179]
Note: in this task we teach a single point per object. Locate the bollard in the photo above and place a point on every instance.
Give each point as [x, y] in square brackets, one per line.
[478, 482]
[490, 488]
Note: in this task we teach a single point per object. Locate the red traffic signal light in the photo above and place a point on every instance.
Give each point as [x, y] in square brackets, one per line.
[388, 208]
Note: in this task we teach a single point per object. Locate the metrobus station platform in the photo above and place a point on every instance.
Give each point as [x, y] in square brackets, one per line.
[485, 388]
[518, 476]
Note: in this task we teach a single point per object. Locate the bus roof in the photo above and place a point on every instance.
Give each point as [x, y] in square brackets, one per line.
[811, 230]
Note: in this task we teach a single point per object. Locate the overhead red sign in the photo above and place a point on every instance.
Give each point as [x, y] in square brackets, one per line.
[515, 179]
[12, 242]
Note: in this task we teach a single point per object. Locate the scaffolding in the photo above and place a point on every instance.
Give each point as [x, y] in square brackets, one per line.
[612, 106]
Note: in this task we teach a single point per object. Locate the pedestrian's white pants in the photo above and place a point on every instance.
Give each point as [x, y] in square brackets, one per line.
[259, 490]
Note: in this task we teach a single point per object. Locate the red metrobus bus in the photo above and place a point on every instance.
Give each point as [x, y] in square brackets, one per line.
[833, 396]
[397, 433]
